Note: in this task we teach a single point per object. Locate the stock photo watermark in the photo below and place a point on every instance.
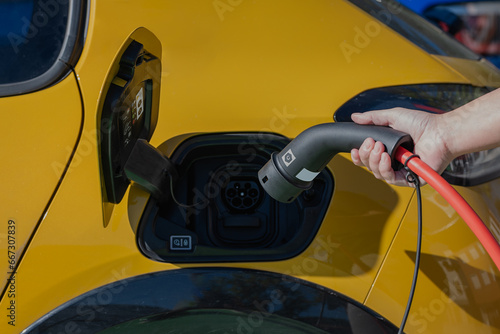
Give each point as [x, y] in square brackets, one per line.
[90, 140]
[88, 308]
[363, 36]
[12, 265]
[266, 307]
[30, 28]
[222, 7]
[249, 149]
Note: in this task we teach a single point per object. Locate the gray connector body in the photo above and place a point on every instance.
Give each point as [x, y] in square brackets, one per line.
[293, 170]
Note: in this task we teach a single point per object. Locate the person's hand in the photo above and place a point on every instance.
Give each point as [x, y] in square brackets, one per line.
[423, 127]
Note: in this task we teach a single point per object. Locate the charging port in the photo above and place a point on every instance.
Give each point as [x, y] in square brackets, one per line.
[242, 195]
[221, 205]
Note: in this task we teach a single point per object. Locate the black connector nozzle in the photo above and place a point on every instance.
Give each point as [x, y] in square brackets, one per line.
[293, 170]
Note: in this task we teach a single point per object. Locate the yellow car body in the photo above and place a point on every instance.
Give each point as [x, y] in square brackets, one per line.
[236, 66]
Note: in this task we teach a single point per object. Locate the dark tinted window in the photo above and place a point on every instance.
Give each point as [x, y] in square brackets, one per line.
[436, 98]
[474, 24]
[38, 38]
[415, 28]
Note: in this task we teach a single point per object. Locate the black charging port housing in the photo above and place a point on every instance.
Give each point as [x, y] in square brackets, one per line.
[221, 213]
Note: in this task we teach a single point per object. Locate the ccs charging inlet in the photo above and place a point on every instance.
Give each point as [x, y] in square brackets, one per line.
[293, 170]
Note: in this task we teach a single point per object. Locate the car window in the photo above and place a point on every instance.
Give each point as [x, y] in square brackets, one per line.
[415, 28]
[38, 40]
[478, 25]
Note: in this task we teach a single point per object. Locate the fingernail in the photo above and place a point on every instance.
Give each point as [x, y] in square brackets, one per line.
[358, 116]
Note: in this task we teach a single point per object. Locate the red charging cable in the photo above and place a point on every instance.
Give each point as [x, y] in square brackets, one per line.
[456, 201]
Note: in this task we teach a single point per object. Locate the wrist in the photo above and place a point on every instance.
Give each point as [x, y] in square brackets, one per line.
[445, 137]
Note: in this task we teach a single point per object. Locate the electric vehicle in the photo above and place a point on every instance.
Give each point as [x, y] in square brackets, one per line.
[133, 133]
[473, 23]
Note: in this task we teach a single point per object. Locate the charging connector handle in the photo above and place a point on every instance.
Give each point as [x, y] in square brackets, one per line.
[292, 170]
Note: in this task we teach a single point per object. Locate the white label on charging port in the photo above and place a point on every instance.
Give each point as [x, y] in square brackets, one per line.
[306, 175]
[139, 102]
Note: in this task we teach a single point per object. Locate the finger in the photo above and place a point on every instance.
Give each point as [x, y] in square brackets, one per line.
[385, 169]
[378, 117]
[365, 151]
[384, 117]
[374, 160]
[362, 118]
[355, 157]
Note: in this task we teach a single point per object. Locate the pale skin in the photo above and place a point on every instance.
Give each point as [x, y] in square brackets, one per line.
[438, 138]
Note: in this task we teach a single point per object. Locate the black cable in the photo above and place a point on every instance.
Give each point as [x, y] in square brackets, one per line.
[185, 206]
[413, 178]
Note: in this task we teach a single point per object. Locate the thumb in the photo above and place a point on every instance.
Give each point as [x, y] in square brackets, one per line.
[362, 118]
[396, 118]
[377, 117]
